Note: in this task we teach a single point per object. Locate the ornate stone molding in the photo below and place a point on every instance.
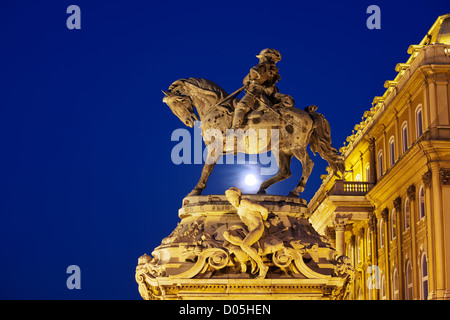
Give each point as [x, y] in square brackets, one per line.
[398, 204]
[385, 214]
[340, 223]
[427, 178]
[444, 176]
[372, 222]
[411, 192]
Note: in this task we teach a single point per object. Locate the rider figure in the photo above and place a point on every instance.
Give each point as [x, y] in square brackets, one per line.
[260, 87]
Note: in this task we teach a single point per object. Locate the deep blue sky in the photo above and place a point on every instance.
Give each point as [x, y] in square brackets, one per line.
[86, 176]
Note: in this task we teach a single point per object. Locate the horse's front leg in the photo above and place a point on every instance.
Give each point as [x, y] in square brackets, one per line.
[211, 161]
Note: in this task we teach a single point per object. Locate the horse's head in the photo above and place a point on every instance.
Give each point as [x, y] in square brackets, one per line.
[181, 105]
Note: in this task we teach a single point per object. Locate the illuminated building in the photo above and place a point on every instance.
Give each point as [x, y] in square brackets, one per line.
[391, 214]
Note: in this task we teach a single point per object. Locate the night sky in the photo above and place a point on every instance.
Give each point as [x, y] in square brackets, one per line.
[86, 176]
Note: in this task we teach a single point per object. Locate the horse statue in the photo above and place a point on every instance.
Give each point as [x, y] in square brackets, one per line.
[296, 129]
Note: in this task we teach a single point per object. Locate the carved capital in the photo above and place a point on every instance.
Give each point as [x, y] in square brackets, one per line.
[398, 204]
[372, 222]
[444, 176]
[411, 192]
[426, 178]
[385, 214]
[340, 223]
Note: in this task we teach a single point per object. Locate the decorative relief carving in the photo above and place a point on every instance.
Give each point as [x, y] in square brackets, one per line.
[444, 176]
[216, 246]
[385, 214]
[398, 204]
[411, 192]
[427, 178]
[372, 222]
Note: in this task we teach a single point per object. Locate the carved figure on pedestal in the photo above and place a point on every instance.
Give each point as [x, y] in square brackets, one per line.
[253, 215]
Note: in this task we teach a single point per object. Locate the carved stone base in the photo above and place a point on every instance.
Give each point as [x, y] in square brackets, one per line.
[196, 262]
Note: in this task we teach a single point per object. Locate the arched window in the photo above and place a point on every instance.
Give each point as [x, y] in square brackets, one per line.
[393, 224]
[395, 289]
[381, 233]
[360, 249]
[368, 172]
[424, 276]
[406, 215]
[358, 177]
[391, 151]
[409, 281]
[419, 121]
[404, 136]
[380, 163]
[421, 203]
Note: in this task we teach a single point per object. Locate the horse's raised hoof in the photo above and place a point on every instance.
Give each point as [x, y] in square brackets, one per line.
[261, 191]
[293, 194]
[195, 192]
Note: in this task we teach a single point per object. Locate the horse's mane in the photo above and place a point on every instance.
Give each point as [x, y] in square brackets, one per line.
[209, 87]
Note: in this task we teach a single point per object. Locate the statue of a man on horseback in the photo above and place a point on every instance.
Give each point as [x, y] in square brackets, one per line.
[265, 108]
[261, 92]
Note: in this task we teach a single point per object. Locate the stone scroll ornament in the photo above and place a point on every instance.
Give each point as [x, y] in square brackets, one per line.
[262, 107]
[250, 245]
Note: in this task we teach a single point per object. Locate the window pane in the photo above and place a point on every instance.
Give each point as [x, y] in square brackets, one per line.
[419, 122]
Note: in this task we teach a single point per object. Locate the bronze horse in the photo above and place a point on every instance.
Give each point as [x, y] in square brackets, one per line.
[296, 129]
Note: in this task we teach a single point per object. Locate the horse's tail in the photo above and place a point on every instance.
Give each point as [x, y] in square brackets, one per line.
[320, 142]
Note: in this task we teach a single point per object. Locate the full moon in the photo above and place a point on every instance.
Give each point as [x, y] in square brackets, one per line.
[250, 179]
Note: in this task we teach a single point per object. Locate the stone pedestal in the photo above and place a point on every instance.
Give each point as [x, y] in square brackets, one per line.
[196, 262]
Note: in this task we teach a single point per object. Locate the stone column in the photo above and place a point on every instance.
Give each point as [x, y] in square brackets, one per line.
[411, 193]
[339, 226]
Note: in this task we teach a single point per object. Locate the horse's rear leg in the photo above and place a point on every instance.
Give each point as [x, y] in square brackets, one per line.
[307, 165]
[284, 171]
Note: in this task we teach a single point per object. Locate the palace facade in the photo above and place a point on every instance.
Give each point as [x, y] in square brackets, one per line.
[391, 213]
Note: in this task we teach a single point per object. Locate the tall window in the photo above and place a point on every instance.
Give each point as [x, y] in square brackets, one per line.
[369, 242]
[409, 282]
[368, 172]
[391, 151]
[404, 137]
[424, 277]
[358, 177]
[419, 121]
[421, 203]
[393, 224]
[380, 163]
[395, 289]
[406, 214]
